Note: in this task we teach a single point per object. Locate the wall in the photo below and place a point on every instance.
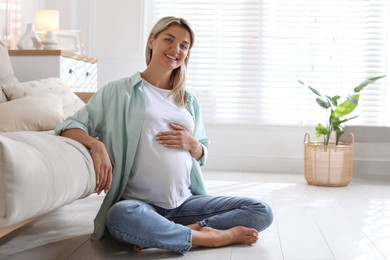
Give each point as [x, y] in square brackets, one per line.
[281, 149]
[13, 22]
[254, 148]
[114, 34]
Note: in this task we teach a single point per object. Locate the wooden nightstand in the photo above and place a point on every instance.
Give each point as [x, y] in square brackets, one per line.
[78, 71]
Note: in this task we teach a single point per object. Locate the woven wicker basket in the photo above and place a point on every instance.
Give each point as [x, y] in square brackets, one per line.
[328, 165]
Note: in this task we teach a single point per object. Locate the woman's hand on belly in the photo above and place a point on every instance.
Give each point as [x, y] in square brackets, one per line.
[180, 138]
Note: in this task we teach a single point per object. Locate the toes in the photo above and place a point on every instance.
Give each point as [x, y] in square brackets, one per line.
[137, 249]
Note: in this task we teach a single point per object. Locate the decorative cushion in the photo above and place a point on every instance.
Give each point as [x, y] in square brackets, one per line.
[6, 72]
[31, 113]
[71, 103]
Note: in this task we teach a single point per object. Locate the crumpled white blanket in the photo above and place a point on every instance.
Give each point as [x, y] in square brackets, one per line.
[40, 172]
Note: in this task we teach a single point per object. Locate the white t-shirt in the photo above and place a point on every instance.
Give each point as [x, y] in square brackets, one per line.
[160, 175]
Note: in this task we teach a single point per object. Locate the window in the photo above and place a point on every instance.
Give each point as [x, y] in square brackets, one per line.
[249, 54]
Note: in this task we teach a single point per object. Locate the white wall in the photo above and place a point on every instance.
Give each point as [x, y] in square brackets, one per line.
[281, 149]
[256, 148]
[115, 35]
[20, 12]
[114, 31]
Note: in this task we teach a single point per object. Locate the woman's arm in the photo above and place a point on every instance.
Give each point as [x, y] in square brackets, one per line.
[100, 157]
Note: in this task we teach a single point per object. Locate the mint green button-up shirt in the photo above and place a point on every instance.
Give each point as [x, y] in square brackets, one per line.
[115, 116]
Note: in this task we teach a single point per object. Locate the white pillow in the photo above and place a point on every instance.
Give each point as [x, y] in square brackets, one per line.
[31, 113]
[71, 103]
[6, 72]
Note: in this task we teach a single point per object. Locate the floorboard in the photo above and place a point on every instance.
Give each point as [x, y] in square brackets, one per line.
[310, 222]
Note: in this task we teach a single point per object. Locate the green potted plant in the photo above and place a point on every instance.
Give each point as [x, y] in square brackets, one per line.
[327, 163]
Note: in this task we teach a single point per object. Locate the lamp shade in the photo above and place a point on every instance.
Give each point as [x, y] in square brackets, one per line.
[47, 20]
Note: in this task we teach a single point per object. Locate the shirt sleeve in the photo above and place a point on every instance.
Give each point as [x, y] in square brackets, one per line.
[89, 118]
[199, 129]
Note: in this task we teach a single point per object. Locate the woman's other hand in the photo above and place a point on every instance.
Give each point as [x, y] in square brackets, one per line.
[103, 167]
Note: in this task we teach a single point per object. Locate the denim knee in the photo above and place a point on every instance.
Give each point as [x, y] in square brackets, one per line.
[265, 215]
[138, 223]
[121, 212]
[239, 211]
[257, 214]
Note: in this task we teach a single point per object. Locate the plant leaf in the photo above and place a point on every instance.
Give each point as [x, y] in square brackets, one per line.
[321, 130]
[347, 119]
[315, 91]
[367, 82]
[312, 89]
[323, 103]
[334, 100]
[347, 106]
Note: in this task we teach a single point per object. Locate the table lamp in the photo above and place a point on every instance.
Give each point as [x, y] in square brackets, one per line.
[48, 22]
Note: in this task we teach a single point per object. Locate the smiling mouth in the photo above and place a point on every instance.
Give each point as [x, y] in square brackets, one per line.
[171, 57]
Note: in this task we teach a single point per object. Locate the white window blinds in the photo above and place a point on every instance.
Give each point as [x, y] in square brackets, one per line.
[249, 54]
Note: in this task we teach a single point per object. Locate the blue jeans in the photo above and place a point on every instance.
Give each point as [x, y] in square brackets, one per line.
[139, 223]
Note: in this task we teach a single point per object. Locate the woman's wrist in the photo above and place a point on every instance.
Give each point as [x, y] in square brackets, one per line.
[197, 150]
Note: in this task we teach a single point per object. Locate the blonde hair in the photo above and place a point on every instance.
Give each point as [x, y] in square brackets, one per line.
[179, 75]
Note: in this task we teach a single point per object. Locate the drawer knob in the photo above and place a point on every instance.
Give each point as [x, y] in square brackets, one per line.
[87, 74]
[71, 71]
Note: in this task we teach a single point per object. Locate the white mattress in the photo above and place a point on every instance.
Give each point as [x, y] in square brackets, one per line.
[40, 172]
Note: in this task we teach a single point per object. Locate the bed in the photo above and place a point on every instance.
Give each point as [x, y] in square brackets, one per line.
[39, 171]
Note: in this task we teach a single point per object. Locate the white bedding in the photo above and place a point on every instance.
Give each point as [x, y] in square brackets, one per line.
[40, 172]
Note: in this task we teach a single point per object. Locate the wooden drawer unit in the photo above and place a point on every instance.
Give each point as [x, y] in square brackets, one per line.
[78, 71]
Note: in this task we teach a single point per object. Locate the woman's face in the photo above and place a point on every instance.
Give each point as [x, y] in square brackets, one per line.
[171, 47]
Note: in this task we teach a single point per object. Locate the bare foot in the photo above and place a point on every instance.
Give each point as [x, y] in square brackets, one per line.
[195, 226]
[137, 249]
[210, 237]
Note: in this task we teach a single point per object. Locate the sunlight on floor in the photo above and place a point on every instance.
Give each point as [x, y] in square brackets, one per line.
[377, 223]
[237, 188]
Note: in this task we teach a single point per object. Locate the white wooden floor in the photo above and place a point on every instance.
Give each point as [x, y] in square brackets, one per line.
[351, 222]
